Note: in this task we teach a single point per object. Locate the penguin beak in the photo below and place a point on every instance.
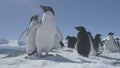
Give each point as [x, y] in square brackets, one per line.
[43, 7]
[77, 28]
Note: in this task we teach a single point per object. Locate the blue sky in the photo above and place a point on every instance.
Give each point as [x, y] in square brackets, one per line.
[98, 16]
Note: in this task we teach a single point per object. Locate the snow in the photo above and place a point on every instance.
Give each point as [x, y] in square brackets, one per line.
[12, 56]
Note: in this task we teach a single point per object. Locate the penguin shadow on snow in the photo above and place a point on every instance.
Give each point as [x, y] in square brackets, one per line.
[109, 57]
[11, 51]
[69, 50]
[51, 57]
[117, 62]
[61, 59]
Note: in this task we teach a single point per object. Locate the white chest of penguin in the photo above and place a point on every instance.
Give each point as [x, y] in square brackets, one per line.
[46, 32]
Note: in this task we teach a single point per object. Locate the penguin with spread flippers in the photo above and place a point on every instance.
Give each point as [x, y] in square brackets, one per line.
[83, 43]
[30, 33]
[45, 35]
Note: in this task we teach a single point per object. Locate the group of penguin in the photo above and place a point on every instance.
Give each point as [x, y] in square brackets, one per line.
[87, 46]
[44, 35]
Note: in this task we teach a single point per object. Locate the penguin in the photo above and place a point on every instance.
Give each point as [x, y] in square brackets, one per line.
[110, 44]
[93, 49]
[98, 42]
[71, 41]
[118, 42]
[45, 35]
[30, 34]
[61, 44]
[58, 39]
[83, 43]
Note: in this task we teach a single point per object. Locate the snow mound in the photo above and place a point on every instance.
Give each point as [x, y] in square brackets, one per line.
[3, 41]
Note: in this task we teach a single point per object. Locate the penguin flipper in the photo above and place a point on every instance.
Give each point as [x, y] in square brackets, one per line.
[24, 33]
[62, 44]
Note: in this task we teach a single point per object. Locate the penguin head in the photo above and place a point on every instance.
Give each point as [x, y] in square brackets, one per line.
[117, 38]
[80, 28]
[110, 33]
[35, 17]
[68, 37]
[33, 23]
[47, 8]
[98, 35]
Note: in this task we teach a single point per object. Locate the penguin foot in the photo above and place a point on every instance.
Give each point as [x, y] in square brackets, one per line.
[27, 57]
[49, 55]
[46, 55]
[98, 53]
[35, 51]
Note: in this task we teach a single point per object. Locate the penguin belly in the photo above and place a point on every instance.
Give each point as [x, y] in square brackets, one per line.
[46, 34]
[92, 52]
[30, 41]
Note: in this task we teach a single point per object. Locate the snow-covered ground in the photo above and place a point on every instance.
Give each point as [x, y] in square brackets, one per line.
[12, 56]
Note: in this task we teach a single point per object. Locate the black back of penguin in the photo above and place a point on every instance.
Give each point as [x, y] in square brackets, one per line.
[83, 43]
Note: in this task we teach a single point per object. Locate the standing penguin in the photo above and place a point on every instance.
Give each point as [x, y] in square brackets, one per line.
[83, 43]
[118, 42]
[93, 50]
[45, 35]
[30, 35]
[71, 41]
[98, 42]
[110, 44]
[58, 39]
